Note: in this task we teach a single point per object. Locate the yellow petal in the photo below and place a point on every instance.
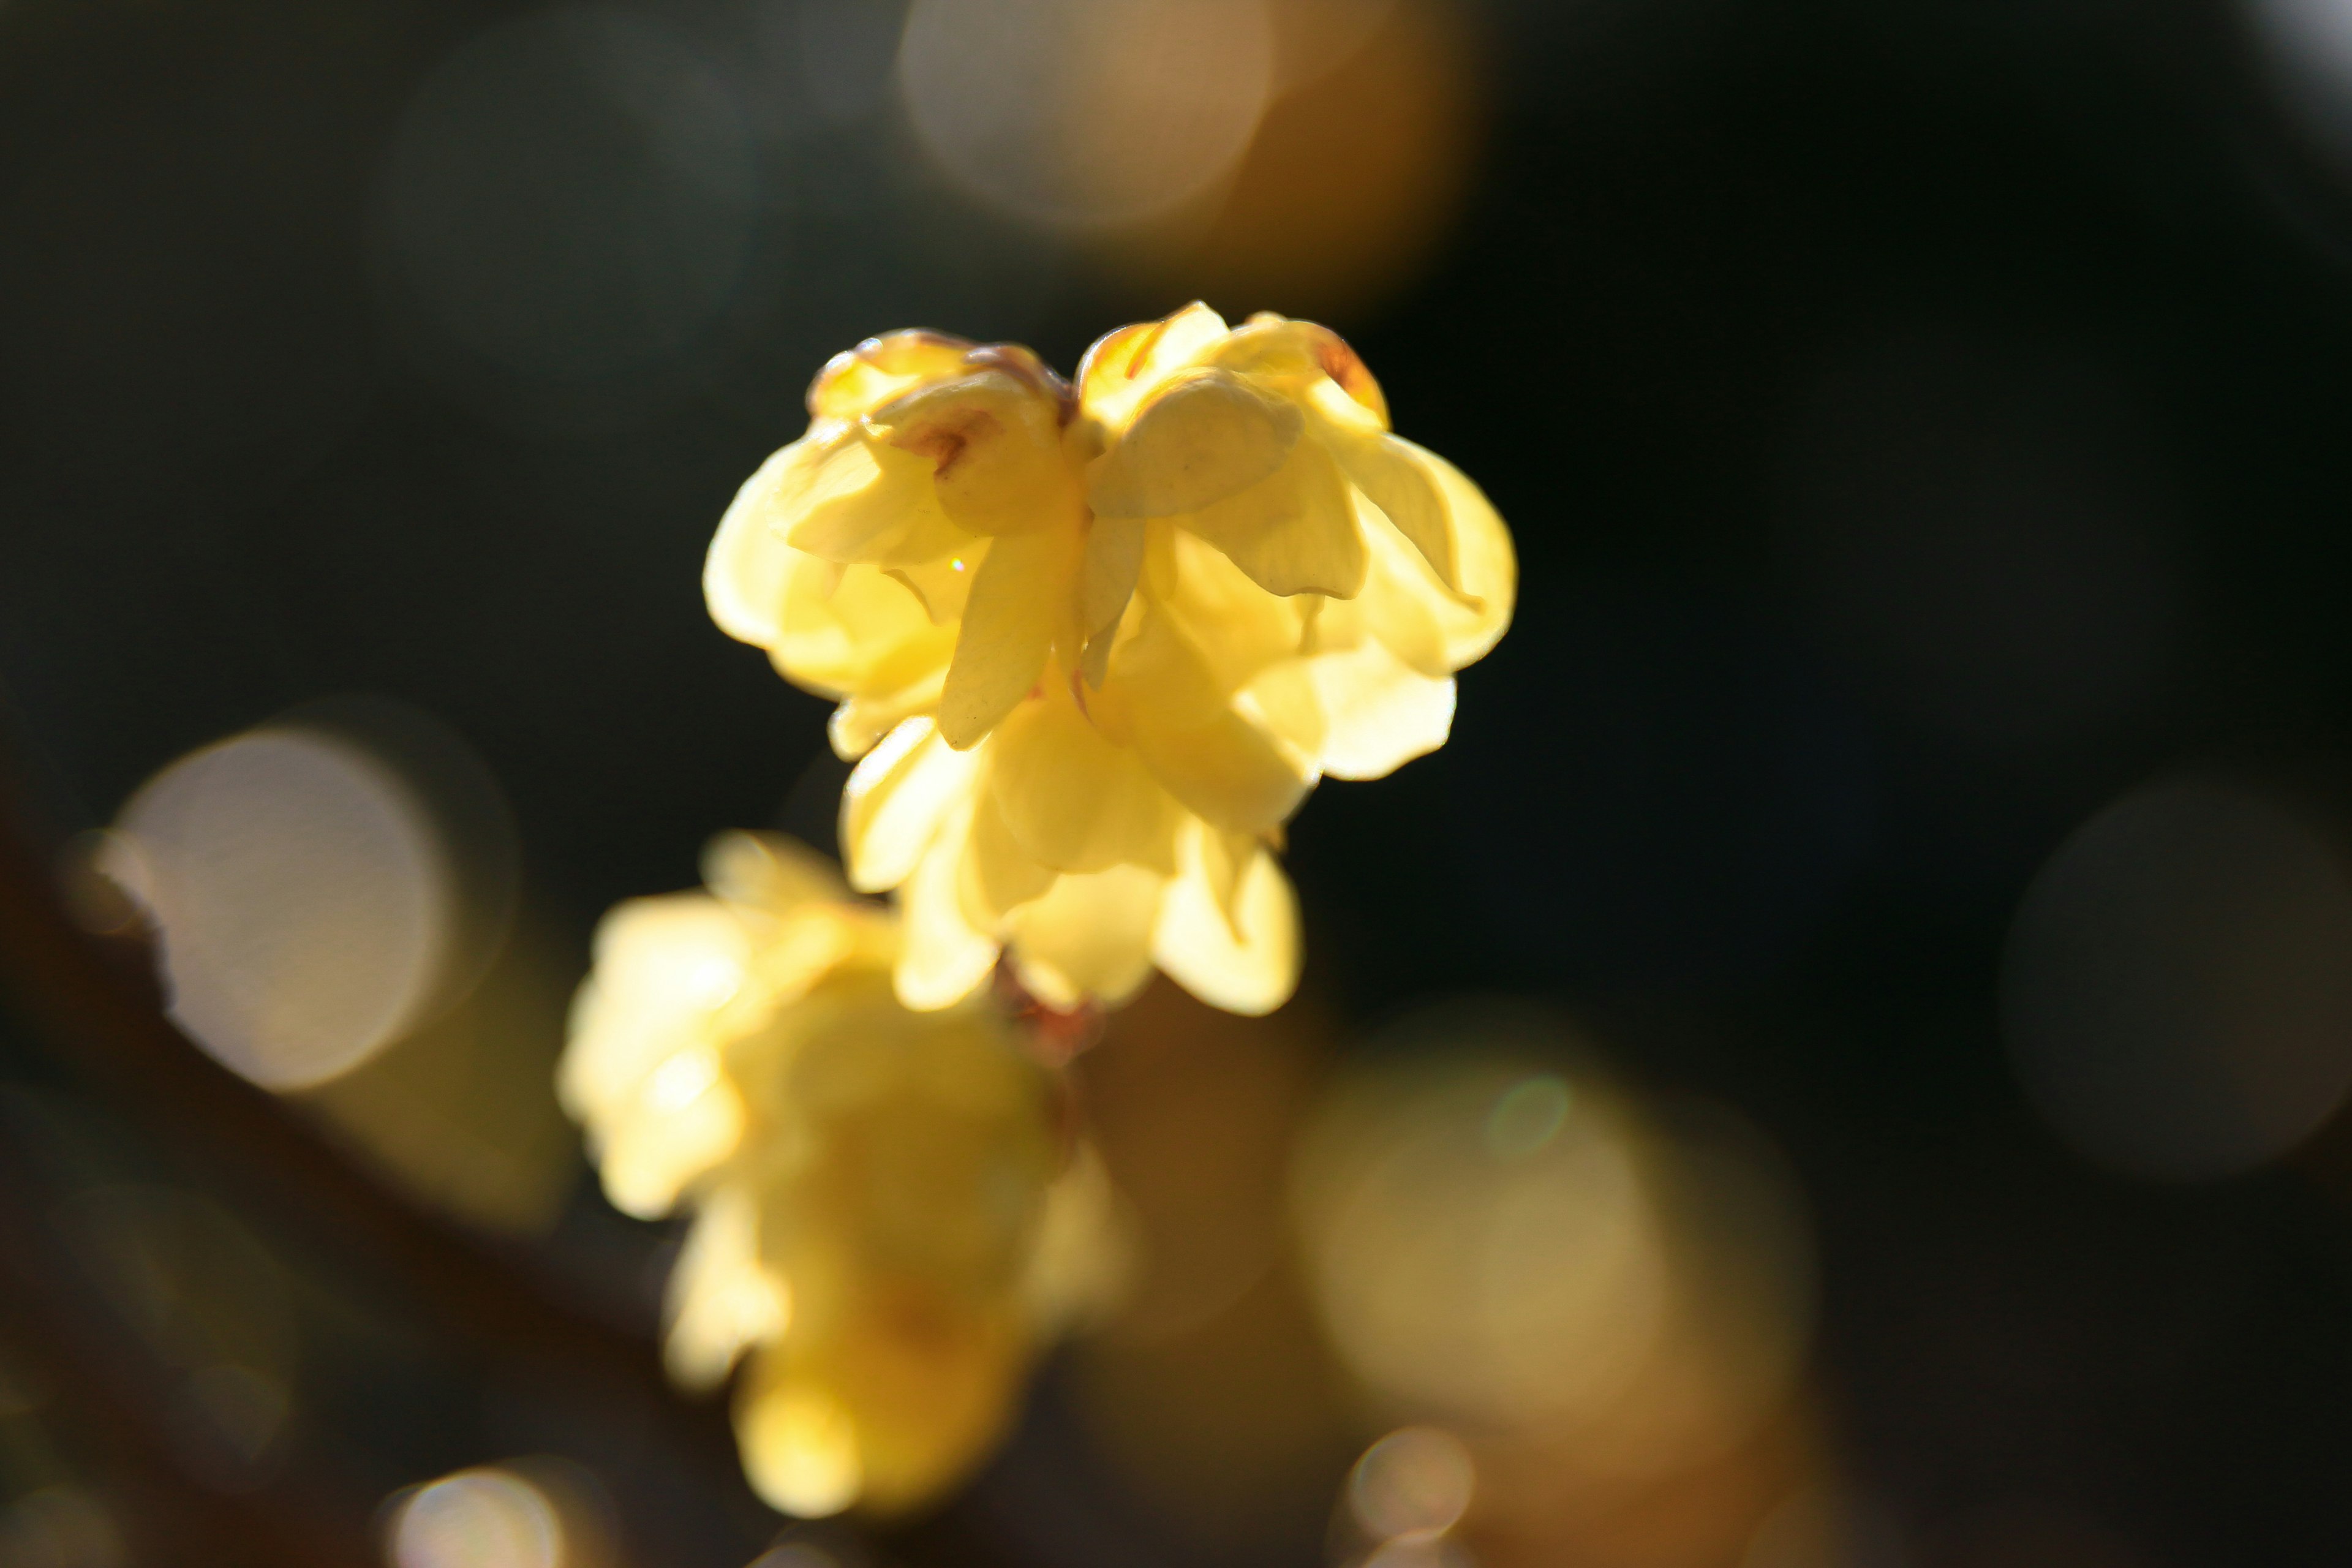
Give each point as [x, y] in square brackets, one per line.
[998, 875]
[1246, 964]
[799, 1443]
[1072, 800]
[1298, 356]
[691, 1121]
[1114, 559]
[1235, 627]
[770, 870]
[1224, 769]
[1208, 437]
[896, 800]
[1488, 566]
[1164, 700]
[943, 959]
[859, 499]
[1294, 532]
[1123, 367]
[879, 369]
[1378, 712]
[852, 628]
[864, 717]
[722, 1300]
[1386, 469]
[1023, 594]
[1090, 936]
[993, 444]
[747, 572]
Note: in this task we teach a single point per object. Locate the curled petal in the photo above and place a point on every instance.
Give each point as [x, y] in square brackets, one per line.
[896, 801]
[1090, 936]
[1210, 435]
[1299, 355]
[746, 574]
[799, 1442]
[1123, 367]
[991, 445]
[1245, 961]
[1020, 600]
[879, 369]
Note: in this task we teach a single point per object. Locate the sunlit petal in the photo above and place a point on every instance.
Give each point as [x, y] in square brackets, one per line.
[1247, 963]
[1090, 936]
[1025, 592]
[895, 801]
[1208, 437]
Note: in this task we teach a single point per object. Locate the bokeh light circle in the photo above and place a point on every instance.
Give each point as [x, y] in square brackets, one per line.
[1085, 114]
[476, 1518]
[303, 902]
[2176, 987]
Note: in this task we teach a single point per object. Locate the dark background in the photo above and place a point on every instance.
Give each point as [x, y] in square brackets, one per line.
[1920, 422]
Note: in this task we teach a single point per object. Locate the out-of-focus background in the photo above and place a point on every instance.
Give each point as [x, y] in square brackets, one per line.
[1837, 1065]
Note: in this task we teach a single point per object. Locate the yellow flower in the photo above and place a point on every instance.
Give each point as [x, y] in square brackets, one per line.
[1095, 646]
[887, 1217]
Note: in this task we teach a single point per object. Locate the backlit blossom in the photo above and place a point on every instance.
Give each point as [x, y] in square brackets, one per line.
[1095, 644]
[887, 1216]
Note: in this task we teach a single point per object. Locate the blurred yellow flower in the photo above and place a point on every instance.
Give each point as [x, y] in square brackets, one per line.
[888, 1219]
[1096, 644]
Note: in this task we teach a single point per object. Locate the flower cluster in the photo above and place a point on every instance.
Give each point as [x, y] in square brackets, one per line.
[1095, 644]
[889, 1216]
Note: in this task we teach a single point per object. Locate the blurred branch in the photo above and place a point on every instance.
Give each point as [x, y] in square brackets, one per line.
[44, 1311]
[99, 1016]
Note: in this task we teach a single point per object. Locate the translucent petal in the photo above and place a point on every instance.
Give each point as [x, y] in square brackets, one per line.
[897, 799]
[1123, 367]
[1020, 601]
[943, 959]
[1072, 800]
[746, 573]
[862, 499]
[1485, 560]
[998, 875]
[1090, 936]
[1246, 964]
[1386, 470]
[1114, 559]
[844, 630]
[1378, 712]
[1234, 627]
[1294, 532]
[1208, 437]
[991, 444]
[1164, 700]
